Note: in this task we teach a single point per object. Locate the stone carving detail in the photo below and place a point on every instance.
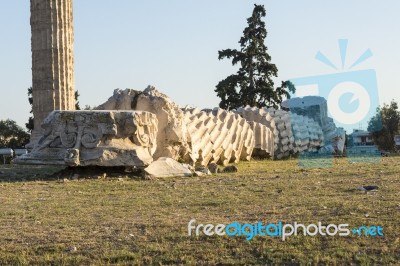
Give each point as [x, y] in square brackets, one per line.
[103, 138]
[217, 136]
[171, 137]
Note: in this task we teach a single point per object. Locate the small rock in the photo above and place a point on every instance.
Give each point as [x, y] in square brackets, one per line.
[188, 166]
[198, 173]
[72, 249]
[230, 169]
[203, 170]
[214, 168]
[368, 188]
[75, 177]
[65, 180]
[168, 167]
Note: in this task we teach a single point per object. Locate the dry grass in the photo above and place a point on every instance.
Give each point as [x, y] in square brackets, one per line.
[129, 221]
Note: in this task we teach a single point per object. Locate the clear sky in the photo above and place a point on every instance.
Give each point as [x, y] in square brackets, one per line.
[174, 45]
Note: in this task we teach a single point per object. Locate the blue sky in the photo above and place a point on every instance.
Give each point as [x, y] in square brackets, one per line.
[174, 45]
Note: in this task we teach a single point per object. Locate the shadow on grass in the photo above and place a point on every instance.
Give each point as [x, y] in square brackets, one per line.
[31, 173]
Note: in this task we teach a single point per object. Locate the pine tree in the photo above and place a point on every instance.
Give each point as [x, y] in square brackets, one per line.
[30, 123]
[77, 107]
[252, 84]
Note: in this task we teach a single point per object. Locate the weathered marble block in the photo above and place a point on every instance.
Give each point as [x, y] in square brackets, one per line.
[99, 138]
[171, 136]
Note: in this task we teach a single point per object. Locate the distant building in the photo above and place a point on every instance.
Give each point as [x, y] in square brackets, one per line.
[362, 138]
[361, 144]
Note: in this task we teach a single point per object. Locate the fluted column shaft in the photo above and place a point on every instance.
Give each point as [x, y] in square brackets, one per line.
[52, 58]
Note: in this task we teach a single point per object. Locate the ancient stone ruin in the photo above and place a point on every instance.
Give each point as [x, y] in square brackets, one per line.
[133, 128]
[219, 136]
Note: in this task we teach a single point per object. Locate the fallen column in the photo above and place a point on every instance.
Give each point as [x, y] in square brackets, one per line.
[218, 136]
[189, 135]
[277, 128]
[315, 107]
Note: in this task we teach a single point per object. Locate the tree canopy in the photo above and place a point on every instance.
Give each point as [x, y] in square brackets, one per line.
[384, 125]
[12, 135]
[252, 84]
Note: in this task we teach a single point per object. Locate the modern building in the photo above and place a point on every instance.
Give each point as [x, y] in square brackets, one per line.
[361, 138]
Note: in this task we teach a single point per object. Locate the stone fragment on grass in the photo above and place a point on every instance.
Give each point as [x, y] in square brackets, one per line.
[230, 169]
[198, 173]
[214, 168]
[167, 167]
[203, 170]
[368, 188]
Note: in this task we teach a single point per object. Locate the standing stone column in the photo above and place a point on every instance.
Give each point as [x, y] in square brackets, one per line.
[52, 59]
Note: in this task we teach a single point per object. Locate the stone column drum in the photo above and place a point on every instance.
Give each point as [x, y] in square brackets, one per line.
[52, 59]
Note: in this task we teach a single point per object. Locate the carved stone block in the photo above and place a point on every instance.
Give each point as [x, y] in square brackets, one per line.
[101, 138]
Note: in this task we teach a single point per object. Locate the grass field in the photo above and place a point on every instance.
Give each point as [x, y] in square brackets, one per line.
[46, 219]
